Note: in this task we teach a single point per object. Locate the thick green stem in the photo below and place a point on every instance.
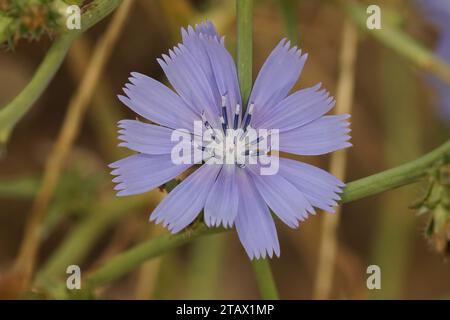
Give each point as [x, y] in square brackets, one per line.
[244, 10]
[128, 260]
[396, 177]
[22, 103]
[365, 187]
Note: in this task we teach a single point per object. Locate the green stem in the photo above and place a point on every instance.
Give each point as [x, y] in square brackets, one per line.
[128, 260]
[244, 10]
[264, 278]
[365, 187]
[398, 41]
[396, 177]
[22, 103]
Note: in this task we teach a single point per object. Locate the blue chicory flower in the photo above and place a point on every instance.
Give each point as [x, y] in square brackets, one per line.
[438, 13]
[204, 77]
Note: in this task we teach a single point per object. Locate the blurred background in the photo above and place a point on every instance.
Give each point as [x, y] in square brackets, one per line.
[394, 120]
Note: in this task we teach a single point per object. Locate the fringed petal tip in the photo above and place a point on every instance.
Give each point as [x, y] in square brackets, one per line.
[205, 27]
[211, 222]
[263, 253]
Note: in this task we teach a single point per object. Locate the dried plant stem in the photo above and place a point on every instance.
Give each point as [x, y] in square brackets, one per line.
[77, 107]
[104, 113]
[344, 97]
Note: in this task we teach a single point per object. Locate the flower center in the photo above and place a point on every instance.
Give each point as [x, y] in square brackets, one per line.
[233, 143]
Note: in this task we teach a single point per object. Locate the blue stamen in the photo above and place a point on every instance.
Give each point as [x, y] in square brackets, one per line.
[236, 116]
[224, 110]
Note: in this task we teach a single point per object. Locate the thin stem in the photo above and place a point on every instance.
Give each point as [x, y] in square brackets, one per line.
[398, 41]
[22, 103]
[104, 112]
[402, 175]
[244, 10]
[344, 98]
[264, 279]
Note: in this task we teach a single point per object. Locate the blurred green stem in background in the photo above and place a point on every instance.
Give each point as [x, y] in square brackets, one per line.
[395, 39]
[130, 259]
[244, 11]
[396, 225]
[289, 14]
[77, 244]
[22, 103]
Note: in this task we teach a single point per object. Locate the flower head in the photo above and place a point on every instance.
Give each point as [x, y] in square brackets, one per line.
[231, 192]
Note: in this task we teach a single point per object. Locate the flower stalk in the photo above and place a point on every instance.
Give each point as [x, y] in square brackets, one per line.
[244, 9]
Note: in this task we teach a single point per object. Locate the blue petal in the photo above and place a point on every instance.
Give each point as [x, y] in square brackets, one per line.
[141, 173]
[319, 187]
[277, 77]
[286, 201]
[254, 224]
[296, 110]
[222, 204]
[206, 28]
[183, 204]
[321, 136]
[196, 47]
[186, 75]
[155, 102]
[146, 138]
[224, 72]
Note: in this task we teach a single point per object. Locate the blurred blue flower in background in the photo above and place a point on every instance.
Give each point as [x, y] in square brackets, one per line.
[204, 76]
[438, 13]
